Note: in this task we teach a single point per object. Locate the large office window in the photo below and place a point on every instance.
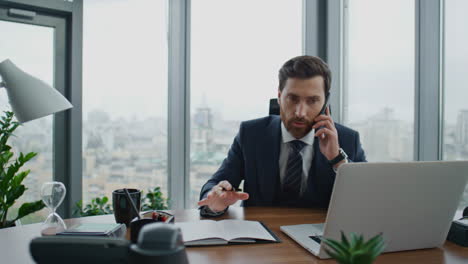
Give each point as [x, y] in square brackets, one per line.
[35, 135]
[456, 87]
[379, 83]
[124, 95]
[237, 48]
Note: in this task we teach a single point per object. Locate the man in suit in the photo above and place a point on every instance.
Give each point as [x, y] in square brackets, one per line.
[286, 160]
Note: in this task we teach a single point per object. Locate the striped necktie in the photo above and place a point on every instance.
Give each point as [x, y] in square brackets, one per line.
[293, 177]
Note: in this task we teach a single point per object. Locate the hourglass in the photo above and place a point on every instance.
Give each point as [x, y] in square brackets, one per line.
[52, 194]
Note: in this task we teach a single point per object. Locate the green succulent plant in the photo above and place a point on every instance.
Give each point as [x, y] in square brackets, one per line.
[11, 178]
[355, 250]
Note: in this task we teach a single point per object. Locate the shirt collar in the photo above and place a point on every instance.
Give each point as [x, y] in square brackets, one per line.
[287, 137]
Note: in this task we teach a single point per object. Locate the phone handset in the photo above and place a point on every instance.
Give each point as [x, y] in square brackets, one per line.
[324, 107]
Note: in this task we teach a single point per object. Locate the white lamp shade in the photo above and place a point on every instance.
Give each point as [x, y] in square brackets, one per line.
[30, 98]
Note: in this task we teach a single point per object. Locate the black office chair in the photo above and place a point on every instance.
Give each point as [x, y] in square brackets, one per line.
[274, 107]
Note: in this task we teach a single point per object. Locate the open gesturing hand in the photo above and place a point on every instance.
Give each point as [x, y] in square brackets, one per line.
[221, 196]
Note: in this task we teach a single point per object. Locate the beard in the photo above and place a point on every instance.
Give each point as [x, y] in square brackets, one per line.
[298, 132]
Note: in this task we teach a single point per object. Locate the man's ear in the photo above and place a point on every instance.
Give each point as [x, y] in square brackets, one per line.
[279, 97]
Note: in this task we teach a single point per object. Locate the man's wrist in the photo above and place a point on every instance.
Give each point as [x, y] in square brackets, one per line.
[333, 155]
[338, 158]
[335, 168]
[216, 211]
[206, 211]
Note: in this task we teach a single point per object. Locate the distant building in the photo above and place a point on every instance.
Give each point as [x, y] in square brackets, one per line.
[385, 138]
[461, 135]
[202, 137]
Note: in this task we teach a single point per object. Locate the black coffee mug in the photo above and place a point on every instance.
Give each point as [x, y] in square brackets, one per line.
[123, 210]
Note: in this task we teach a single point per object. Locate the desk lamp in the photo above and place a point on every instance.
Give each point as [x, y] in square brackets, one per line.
[30, 98]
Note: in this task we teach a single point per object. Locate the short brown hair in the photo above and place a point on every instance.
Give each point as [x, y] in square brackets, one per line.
[304, 67]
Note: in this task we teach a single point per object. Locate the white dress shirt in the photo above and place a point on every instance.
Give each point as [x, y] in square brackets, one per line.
[307, 154]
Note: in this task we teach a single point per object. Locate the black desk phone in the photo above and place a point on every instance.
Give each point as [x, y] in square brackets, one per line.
[157, 243]
[458, 233]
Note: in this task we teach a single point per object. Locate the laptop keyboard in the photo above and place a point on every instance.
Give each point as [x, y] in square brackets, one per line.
[317, 239]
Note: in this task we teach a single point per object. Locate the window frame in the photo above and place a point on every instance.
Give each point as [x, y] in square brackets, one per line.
[429, 80]
[428, 72]
[179, 103]
[66, 18]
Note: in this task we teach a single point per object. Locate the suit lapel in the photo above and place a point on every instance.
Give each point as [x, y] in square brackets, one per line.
[268, 160]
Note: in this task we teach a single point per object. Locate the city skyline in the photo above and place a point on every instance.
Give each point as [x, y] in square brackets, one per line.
[131, 161]
[211, 138]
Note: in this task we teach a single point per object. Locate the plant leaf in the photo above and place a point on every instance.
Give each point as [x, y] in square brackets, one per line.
[29, 156]
[337, 257]
[361, 257]
[372, 243]
[14, 194]
[18, 179]
[337, 247]
[28, 208]
[344, 240]
[378, 249]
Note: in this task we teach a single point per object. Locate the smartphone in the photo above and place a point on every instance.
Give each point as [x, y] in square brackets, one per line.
[324, 108]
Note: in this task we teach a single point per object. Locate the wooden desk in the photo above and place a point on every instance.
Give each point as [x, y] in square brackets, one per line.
[14, 242]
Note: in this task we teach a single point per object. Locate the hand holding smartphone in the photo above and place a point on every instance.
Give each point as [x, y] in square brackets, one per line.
[324, 108]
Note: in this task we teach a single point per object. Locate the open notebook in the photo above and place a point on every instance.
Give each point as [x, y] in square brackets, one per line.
[209, 232]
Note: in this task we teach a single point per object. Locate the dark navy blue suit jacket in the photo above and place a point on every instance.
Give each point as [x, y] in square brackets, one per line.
[254, 158]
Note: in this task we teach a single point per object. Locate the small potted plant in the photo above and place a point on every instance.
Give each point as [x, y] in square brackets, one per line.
[355, 250]
[98, 206]
[11, 178]
[153, 200]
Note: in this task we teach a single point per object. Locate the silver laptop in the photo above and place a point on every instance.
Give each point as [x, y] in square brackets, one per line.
[412, 204]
